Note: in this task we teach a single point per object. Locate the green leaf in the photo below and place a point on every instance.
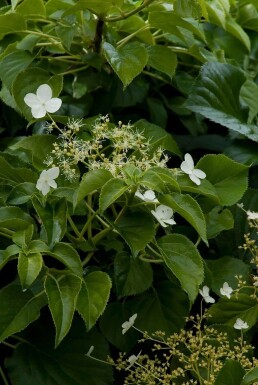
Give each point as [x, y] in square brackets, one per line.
[189, 209]
[28, 81]
[23, 308]
[22, 238]
[229, 178]
[227, 311]
[99, 6]
[93, 297]
[62, 295]
[159, 179]
[127, 61]
[15, 175]
[12, 64]
[170, 22]
[112, 190]
[156, 308]
[14, 218]
[162, 59]
[29, 267]
[250, 377]
[183, 259]
[249, 94]
[230, 374]
[157, 136]
[205, 188]
[215, 95]
[218, 220]
[137, 229]
[68, 364]
[21, 193]
[132, 276]
[8, 254]
[38, 146]
[53, 219]
[91, 181]
[66, 254]
[136, 24]
[31, 10]
[11, 23]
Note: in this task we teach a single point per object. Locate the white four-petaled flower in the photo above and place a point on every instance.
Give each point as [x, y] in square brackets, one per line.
[252, 215]
[195, 174]
[205, 294]
[226, 290]
[132, 359]
[164, 215]
[42, 102]
[240, 324]
[46, 180]
[128, 324]
[147, 196]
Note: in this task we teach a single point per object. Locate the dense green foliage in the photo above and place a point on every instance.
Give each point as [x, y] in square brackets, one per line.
[78, 261]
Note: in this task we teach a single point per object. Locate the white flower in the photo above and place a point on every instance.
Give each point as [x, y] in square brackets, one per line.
[46, 180]
[195, 174]
[226, 290]
[42, 102]
[205, 294]
[132, 359]
[240, 324]
[148, 196]
[90, 351]
[164, 215]
[128, 324]
[252, 215]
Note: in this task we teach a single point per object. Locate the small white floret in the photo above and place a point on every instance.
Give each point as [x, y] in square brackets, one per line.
[240, 324]
[187, 166]
[226, 290]
[128, 324]
[205, 294]
[147, 196]
[47, 180]
[42, 102]
[164, 215]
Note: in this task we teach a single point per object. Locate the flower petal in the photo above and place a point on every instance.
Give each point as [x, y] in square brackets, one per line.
[52, 183]
[53, 105]
[164, 212]
[38, 111]
[31, 100]
[169, 221]
[139, 195]
[45, 188]
[199, 173]
[149, 196]
[189, 160]
[195, 179]
[185, 168]
[44, 93]
[53, 172]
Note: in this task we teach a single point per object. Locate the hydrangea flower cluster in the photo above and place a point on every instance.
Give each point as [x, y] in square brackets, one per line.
[108, 147]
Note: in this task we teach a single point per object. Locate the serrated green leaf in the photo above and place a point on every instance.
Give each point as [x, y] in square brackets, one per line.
[159, 179]
[135, 24]
[184, 261]
[22, 238]
[136, 229]
[170, 21]
[15, 175]
[12, 64]
[23, 308]
[229, 178]
[225, 270]
[53, 219]
[29, 267]
[11, 23]
[189, 209]
[14, 218]
[30, 10]
[112, 190]
[226, 311]
[62, 295]
[218, 220]
[250, 377]
[132, 276]
[230, 374]
[205, 188]
[162, 59]
[68, 364]
[66, 254]
[21, 193]
[127, 61]
[215, 95]
[249, 94]
[9, 253]
[91, 181]
[93, 297]
[39, 146]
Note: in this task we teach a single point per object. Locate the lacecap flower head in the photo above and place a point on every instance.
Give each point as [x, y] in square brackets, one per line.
[42, 102]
